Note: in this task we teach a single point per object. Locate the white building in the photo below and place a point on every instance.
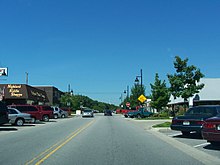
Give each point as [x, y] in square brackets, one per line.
[209, 95]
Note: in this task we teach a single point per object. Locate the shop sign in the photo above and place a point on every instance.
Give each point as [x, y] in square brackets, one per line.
[14, 90]
[37, 94]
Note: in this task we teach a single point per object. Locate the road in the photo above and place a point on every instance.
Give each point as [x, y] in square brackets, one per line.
[102, 140]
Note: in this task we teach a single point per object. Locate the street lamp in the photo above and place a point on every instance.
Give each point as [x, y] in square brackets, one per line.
[127, 91]
[137, 78]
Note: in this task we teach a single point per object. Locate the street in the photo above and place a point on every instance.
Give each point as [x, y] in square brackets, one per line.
[102, 140]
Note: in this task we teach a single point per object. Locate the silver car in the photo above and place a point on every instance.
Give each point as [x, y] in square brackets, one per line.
[63, 114]
[59, 113]
[17, 118]
[87, 113]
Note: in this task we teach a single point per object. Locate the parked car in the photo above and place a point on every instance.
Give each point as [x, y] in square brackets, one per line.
[193, 119]
[38, 112]
[63, 114]
[126, 113]
[3, 114]
[107, 113]
[59, 113]
[87, 113]
[211, 130]
[18, 118]
[68, 110]
[140, 113]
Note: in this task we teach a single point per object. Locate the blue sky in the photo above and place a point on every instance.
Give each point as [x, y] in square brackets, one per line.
[99, 46]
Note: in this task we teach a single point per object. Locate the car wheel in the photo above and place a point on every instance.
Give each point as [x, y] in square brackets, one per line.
[62, 116]
[185, 133]
[55, 116]
[46, 118]
[19, 122]
[138, 116]
[33, 120]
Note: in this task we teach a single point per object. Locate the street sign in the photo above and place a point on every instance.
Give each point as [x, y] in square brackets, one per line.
[128, 104]
[142, 98]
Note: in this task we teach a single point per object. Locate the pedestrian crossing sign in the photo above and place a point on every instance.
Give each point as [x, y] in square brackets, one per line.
[142, 98]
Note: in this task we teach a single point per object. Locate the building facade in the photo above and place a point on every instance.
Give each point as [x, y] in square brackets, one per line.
[209, 95]
[53, 94]
[22, 94]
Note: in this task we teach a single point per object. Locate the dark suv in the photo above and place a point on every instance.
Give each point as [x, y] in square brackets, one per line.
[38, 112]
[193, 119]
[3, 113]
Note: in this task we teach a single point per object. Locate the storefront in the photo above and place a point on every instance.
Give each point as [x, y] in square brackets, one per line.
[22, 94]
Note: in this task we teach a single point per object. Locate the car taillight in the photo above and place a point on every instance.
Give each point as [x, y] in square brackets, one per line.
[209, 125]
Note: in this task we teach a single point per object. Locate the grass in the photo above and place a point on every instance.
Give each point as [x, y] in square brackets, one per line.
[153, 118]
[166, 124]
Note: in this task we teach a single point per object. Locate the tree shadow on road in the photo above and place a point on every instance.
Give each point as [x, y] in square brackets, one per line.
[212, 147]
[7, 128]
[190, 136]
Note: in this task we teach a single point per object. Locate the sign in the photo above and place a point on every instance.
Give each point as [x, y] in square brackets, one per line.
[3, 71]
[128, 104]
[142, 98]
[14, 90]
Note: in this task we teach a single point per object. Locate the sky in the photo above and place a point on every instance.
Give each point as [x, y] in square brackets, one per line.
[98, 47]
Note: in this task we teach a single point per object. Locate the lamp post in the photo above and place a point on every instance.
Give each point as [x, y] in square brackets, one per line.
[137, 78]
[127, 92]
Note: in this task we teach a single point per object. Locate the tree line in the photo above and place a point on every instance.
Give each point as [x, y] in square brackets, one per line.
[76, 102]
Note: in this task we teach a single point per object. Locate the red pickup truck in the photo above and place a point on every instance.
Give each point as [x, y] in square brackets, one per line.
[125, 111]
[38, 112]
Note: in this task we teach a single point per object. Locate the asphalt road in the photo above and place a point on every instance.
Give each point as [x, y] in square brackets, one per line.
[102, 140]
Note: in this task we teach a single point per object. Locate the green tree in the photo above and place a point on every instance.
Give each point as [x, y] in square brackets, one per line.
[136, 91]
[76, 101]
[66, 100]
[160, 94]
[184, 83]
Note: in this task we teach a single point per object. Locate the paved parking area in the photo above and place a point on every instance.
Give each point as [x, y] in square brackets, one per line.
[194, 140]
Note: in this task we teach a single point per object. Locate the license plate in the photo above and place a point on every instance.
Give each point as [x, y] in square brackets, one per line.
[186, 123]
[218, 127]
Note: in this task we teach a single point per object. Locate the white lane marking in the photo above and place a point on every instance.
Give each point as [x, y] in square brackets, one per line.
[203, 144]
[176, 134]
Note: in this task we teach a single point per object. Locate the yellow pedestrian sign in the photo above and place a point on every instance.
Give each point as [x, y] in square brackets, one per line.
[142, 98]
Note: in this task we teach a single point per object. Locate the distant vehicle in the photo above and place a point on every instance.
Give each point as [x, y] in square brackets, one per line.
[140, 113]
[68, 110]
[211, 130]
[126, 113]
[3, 114]
[38, 112]
[193, 119]
[107, 113]
[87, 113]
[63, 114]
[95, 111]
[18, 118]
[59, 113]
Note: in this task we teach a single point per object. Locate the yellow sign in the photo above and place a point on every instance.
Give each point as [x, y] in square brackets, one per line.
[142, 98]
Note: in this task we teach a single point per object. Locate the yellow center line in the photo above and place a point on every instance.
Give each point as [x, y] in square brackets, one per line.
[59, 144]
